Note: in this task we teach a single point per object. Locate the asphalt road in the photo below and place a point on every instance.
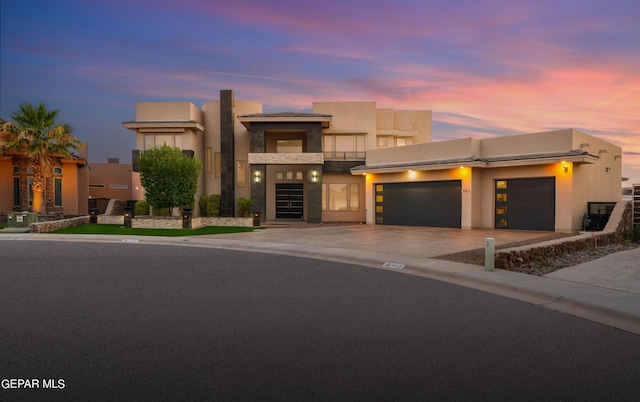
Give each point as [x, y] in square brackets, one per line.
[141, 322]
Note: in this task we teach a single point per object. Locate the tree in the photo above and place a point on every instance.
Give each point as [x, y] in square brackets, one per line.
[35, 134]
[169, 177]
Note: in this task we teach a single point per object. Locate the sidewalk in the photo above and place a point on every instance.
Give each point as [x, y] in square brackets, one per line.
[606, 290]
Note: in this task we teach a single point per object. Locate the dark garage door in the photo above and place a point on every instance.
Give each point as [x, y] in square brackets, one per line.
[434, 203]
[526, 204]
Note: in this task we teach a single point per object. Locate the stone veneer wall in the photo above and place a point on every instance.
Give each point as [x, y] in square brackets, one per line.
[167, 222]
[50, 226]
[618, 226]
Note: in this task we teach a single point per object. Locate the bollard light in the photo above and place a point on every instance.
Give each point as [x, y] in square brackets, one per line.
[489, 253]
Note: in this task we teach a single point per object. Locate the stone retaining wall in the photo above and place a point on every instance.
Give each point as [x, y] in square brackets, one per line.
[50, 226]
[618, 226]
[111, 219]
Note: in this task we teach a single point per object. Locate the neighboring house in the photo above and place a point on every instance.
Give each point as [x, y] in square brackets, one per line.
[111, 180]
[353, 162]
[66, 190]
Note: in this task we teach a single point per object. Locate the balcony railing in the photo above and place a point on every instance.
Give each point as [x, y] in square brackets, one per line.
[345, 156]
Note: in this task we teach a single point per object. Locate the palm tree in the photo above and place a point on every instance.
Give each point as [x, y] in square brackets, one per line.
[34, 134]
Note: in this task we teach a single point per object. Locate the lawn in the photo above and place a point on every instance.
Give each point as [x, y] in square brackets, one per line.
[94, 228]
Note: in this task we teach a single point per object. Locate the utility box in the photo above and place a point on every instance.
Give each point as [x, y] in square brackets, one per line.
[21, 219]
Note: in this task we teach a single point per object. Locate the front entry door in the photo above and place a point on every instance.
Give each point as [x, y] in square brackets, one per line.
[289, 201]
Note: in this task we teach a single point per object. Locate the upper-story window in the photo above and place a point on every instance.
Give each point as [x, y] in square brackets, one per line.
[158, 140]
[289, 146]
[344, 147]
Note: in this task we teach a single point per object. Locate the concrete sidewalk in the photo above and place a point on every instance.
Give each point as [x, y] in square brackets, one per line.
[606, 290]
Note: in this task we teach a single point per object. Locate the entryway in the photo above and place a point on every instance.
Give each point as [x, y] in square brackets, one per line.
[289, 201]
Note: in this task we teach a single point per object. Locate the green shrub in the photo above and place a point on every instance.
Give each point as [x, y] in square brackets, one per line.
[244, 206]
[635, 233]
[141, 208]
[209, 205]
[160, 211]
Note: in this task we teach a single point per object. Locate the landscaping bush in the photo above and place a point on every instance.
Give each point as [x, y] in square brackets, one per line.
[244, 206]
[209, 205]
[141, 208]
[160, 212]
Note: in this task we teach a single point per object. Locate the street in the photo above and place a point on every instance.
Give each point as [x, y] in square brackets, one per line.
[142, 322]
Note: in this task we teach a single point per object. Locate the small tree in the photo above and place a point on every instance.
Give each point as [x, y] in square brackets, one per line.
[169, 177]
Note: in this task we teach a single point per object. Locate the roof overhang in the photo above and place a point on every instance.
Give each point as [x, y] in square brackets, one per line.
[163, 125]
[575, 156]
[287, 117]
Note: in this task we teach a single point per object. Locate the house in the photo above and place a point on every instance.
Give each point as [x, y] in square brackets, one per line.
[353, 162]
[111, 180]
[66, 191]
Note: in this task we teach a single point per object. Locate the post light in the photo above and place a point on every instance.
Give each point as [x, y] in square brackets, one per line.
[127, 218]
[314, 176]
[256, 176]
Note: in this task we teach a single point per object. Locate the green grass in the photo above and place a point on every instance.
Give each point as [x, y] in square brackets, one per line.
[3, 225]
[94, 228]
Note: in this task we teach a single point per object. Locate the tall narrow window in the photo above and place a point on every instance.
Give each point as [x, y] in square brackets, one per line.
[324, 196]
[241, 173]
[16, 191]
[354, 197]
[30, 190]
[209, 160]
[57, 192]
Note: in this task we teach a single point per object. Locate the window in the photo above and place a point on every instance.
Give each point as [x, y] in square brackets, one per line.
[30, 184]
[354, 197]
[337, 197]
[402, 141]
[383, 141]
[501, 184]
[16, 191]
[288, 146]
[298, 175]
[96, 185]
[341, 197]
[241, 173]
[16, 169]
[209, 160]
[118, 186]
[324, 197]
[57, 170]
[57, 191]
[158, 140]
[344, 147]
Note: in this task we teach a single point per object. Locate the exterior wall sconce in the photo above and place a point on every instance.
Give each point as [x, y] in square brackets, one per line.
[256, 176]
[565, 167]
[314, 176]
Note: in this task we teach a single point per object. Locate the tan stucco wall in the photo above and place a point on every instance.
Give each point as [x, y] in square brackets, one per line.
[167, 111]
[350, 118]
[109, 174]
[70, 202]
[439, 150]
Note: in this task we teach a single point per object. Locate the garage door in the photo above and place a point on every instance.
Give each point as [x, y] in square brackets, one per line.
[434, 203]
[526, 204]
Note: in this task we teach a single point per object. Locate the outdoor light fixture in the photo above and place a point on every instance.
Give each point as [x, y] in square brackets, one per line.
[565, 166]
[256, 176]
[314, 176]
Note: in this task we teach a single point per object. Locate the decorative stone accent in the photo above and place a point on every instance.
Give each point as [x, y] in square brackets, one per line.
[286, 158]
[618, 225]
[50, 226]
[111, 219]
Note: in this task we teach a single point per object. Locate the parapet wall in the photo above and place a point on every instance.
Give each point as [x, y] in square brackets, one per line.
[619, 224]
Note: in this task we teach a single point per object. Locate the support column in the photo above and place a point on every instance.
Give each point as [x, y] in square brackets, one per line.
[227, 155]
[259, 190]
[314, 193]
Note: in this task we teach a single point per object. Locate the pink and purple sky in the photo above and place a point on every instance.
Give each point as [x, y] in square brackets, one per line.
[485, 68]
